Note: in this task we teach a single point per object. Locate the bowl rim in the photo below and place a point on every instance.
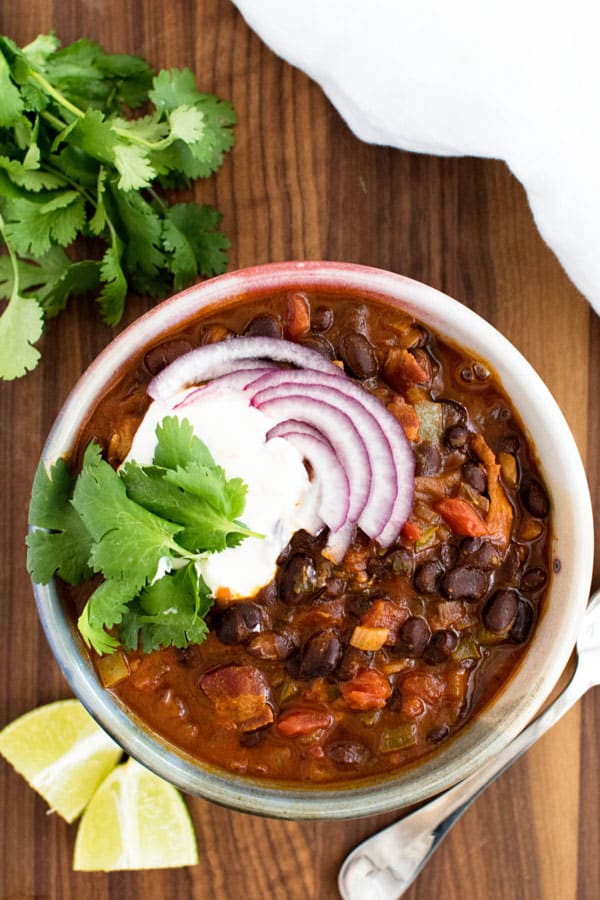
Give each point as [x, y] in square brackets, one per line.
[526, 689]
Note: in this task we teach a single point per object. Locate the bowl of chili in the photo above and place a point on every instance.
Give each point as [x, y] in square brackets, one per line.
[387, 650]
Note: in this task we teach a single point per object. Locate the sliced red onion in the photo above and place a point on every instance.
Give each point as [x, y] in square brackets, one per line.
[383, 487]
[338, 542]
[211, 360]
[233, 381]
[401, 481]
[295, 425]
[337, 427]
[329, 475]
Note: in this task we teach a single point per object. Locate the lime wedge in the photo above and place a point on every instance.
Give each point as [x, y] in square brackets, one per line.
[135, 820]
[62, 753]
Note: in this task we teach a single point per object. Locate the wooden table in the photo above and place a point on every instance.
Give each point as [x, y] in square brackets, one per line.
[299, 184]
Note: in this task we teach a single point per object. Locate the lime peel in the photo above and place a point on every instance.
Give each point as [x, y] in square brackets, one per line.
[135, 820]
[62, 753]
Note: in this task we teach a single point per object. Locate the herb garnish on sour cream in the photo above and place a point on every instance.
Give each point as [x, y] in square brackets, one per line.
[124, 525]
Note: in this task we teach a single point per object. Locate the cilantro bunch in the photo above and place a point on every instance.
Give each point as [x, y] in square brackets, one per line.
[75, 162]
[130, 526]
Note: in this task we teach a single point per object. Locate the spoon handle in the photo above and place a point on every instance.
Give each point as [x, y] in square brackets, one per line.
[385, 865]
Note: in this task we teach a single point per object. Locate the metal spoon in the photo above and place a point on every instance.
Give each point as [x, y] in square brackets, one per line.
[385, 865]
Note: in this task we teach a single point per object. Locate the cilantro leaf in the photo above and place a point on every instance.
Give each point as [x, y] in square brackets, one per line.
[53, 278]
[210, 483]
[129, 541]
[202, 525]
[92, 630]
[32, 225]
[173, 87]
[114, 291]
[178, 446]
[143, 529]
[75, 162]
[65, 549]
[168, 613]
[11, 103]
[199, 224]
[21, 325]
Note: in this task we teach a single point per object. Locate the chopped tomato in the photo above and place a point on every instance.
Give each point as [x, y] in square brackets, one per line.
[461, 516]
[301, 722]
[411, 531]
[369, 689]
[402, 370]
[422, 684]
[406, 414]
[386, 614]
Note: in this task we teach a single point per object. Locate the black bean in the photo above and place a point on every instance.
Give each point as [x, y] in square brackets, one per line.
[449, 554]
[474, 475]
[415, 634]
[428, 458]
[523, 623]
[453, 413]
[512, 563]
[353, 660]
[298, 580]
[347, 754]
[320, 655]
[441, 645]
[158, 357]
[253, 738]
[534, 579]
[481, 372]
[271, 645]
[264, 326]
[534, 497]
[292, 664]
[500, 611]
[464, 583]
[321, 318]
[438, 734]
[320, 344]
[359, 355]
[480, 553]
[427, 576]
[238, 622]
[509, 443]
[456, 437]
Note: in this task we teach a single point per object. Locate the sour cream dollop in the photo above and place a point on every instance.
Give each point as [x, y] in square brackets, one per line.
[281, 499]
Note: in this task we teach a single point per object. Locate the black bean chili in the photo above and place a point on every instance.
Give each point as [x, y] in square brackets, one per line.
[336, 672]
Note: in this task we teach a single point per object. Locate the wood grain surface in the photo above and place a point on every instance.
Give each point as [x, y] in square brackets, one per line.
[299, 184]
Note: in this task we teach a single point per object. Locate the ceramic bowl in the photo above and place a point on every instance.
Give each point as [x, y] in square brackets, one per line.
[572, 551]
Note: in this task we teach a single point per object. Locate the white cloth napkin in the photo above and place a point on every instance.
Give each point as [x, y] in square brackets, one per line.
[517, 80]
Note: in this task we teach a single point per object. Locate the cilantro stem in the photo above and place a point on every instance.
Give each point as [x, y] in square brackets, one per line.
[53, 120]
[136, 139]
[74, 184]
[13, 260]
[56, 95]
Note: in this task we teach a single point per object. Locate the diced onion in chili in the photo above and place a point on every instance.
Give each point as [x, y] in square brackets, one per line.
[364, 638]
[112, 668]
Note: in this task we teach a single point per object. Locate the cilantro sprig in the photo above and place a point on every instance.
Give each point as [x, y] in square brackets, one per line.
[144, 529]
[89, 141]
